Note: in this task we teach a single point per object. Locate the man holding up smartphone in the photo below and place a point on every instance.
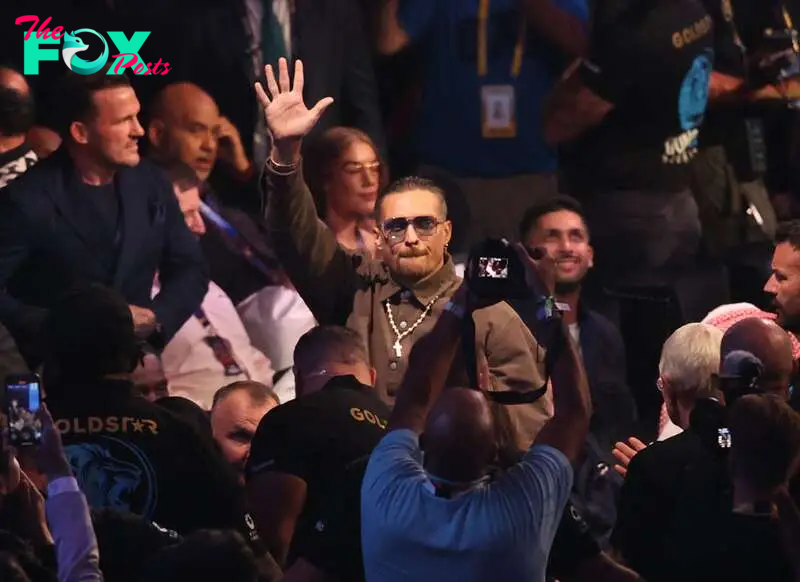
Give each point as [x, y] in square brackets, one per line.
[23, 400]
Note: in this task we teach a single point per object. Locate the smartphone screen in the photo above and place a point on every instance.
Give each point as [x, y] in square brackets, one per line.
[724, 438]
[23, 402]
[493, 268]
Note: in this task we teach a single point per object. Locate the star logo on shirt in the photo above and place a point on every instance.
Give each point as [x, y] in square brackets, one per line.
[138, 425]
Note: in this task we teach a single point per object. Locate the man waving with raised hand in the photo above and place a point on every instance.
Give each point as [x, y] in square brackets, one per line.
[394, 300]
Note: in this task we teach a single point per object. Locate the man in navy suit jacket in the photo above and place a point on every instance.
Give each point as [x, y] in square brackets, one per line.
[93, 213]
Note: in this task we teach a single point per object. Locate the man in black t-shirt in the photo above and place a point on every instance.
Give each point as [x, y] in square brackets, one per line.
[636, 104]
[126, 452]
[331, 550]
[301, 449]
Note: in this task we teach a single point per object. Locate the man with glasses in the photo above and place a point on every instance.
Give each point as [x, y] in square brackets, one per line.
[301, 449]
[396, 299]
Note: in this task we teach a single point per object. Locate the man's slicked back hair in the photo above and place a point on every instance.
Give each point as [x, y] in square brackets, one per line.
[329, 343]
[409, 184]
[258, 392]
[548, 206]
[76, 96]
[789, 232]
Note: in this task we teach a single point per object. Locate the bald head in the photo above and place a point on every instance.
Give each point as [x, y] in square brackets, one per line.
[769, 343]
[16, 104]
[459, 438]
[11, 79]
[184, 127]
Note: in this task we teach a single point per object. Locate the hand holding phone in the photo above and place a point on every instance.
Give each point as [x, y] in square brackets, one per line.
[23, 401]
[50, 458]
[10, 472]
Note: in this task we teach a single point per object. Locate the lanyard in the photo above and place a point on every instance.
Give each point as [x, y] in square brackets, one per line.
[483, 26]
[236, 239]
[220, 347]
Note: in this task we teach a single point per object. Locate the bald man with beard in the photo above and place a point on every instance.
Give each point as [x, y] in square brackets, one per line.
[185, 126]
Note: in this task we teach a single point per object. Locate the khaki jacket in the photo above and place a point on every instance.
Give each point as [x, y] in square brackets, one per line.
[351, 290]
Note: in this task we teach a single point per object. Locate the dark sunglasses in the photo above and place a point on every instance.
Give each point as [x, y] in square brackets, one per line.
[395, 229]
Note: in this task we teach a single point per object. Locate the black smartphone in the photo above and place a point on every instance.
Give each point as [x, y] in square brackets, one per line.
[23, 398]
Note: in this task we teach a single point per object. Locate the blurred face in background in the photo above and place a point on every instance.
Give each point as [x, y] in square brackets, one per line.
[149, 379]
[784, 286]
[352, 184]
[563, 234]
[189, 202]
[234, 421]
[112, 135]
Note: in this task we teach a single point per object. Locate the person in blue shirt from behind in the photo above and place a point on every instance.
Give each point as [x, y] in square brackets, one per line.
[444, 517]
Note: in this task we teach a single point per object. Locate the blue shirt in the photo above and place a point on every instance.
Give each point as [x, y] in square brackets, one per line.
[500, 531]
[449, 129]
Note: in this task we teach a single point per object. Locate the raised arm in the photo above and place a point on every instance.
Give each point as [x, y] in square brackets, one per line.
[321, 271]
[572, 401]
[429, 366]
[67, 511]
[568, 428]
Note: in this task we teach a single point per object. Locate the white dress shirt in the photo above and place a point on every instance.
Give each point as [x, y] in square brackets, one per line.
[191, 368]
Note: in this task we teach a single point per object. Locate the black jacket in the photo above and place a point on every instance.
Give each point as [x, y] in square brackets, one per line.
[132, 455]
[44, 249]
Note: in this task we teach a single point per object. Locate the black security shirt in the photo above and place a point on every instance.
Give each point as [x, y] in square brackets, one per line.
[132, 455]
[652, 60]
[333, 545]
[314, 438]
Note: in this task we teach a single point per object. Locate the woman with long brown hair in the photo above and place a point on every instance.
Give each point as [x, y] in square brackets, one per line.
[345, 173]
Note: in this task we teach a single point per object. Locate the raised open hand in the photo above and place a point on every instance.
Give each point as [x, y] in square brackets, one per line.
[288, 119]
